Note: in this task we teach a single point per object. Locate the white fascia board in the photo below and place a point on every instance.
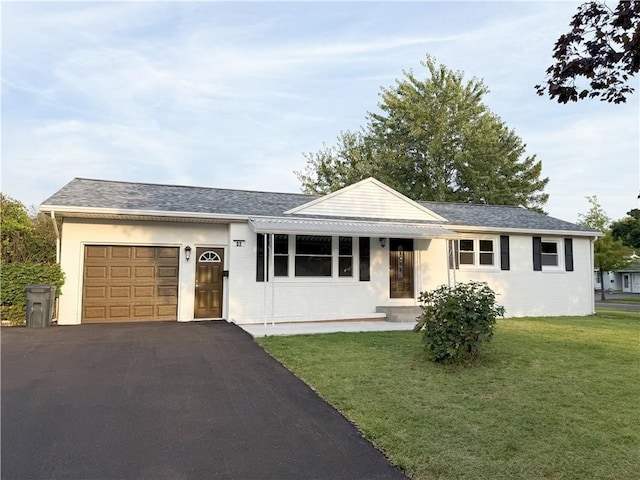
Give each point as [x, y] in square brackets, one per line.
[149, 213]
[523, 231]
[361, 182]
[301, 226]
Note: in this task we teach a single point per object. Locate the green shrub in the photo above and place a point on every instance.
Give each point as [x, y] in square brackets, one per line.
[457, 320]
[15, 277]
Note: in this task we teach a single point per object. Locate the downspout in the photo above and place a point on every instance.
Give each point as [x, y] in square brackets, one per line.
[591, 271]
[58, 243]
[273, 280]
[448, 254]
[56, 306]
[265, 261]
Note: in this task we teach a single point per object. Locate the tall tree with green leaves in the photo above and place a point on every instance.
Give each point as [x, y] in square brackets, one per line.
[433, 139]
[627, 229]
[609, 254]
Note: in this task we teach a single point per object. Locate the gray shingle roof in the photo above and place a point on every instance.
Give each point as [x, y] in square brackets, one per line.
[82, 193]
[499, 216]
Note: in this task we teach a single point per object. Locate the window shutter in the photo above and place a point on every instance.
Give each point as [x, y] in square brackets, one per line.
[537, 254]
[568, 254]
[260, 257]
[504, 252]
[364, 257]
[453, 255]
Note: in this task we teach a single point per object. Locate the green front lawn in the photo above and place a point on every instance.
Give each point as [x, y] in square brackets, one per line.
[631, 300]
[552, 398]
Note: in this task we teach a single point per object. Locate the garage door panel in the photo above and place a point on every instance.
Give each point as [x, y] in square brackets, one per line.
[170, 272]
[143, 311]
[96, 251]
[145, 272]
[92, 313]
[120, 252]
[120, 272]
[122, 312]
[146, 252]
[130, 283]
[167, 311]
[95, 292]
[121, 292]
[166, 291]
[96, 272]
[143, 291]
[168, 252]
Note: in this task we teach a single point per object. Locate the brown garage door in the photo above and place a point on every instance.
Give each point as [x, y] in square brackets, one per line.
[130, 284]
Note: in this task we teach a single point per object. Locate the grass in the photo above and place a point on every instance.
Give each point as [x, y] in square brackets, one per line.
[631, 300]
[552, 398]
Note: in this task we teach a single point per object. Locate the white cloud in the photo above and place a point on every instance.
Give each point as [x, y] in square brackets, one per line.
[230, 95]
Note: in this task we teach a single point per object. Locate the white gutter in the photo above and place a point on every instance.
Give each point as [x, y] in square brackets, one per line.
[523, 231]
[138, 212]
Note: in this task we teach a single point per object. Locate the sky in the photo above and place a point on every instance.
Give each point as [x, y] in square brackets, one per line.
[232, 94]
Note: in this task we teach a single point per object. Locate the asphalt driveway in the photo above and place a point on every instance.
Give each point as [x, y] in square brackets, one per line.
[167, 401]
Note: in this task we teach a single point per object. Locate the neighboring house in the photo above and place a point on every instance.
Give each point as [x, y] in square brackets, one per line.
[630, 278]
[626, 280]
[134, 251]
[612, 281]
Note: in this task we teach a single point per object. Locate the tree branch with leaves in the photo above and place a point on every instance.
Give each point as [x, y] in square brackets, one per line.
[603, 48]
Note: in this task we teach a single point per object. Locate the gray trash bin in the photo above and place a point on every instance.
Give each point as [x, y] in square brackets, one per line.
[40, 300]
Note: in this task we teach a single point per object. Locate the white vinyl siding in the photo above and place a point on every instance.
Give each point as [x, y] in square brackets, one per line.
[368, 200]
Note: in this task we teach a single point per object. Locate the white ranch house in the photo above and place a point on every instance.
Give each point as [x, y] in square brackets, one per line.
[137, 252]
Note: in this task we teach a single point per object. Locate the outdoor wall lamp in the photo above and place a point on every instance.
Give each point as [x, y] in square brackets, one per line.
[383, 242]
[187, 253]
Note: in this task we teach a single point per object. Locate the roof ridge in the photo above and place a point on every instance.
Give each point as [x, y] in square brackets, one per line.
[475, 204]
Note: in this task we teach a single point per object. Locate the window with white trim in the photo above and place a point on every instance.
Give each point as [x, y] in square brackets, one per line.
[313, 256]
[281, 255]
[549, 252]
[345, 256]
[470, 252]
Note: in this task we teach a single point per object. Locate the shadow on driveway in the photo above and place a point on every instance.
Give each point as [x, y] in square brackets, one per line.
[167, 401]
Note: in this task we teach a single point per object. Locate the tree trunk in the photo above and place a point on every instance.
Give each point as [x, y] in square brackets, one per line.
[601, 274]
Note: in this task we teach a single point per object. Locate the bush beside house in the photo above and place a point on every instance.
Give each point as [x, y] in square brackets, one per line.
[28, 254]
[457, 320]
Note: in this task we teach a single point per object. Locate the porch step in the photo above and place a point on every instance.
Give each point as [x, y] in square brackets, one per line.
[400, 314]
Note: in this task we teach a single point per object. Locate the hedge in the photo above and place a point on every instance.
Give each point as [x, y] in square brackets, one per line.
[14, 279]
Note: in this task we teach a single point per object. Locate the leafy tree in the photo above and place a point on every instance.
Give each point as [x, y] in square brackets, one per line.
[16, 228]
[627, 229]
[603, 47]
[609, 254]
[596, 218]
[433, 139]
[25, 237]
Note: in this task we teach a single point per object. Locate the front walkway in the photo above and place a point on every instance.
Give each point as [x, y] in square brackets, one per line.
[304, 328]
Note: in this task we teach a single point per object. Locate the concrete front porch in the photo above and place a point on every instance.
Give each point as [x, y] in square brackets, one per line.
[307, 328]
[400, 313]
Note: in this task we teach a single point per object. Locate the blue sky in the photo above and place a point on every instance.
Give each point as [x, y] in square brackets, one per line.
[232, 94]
